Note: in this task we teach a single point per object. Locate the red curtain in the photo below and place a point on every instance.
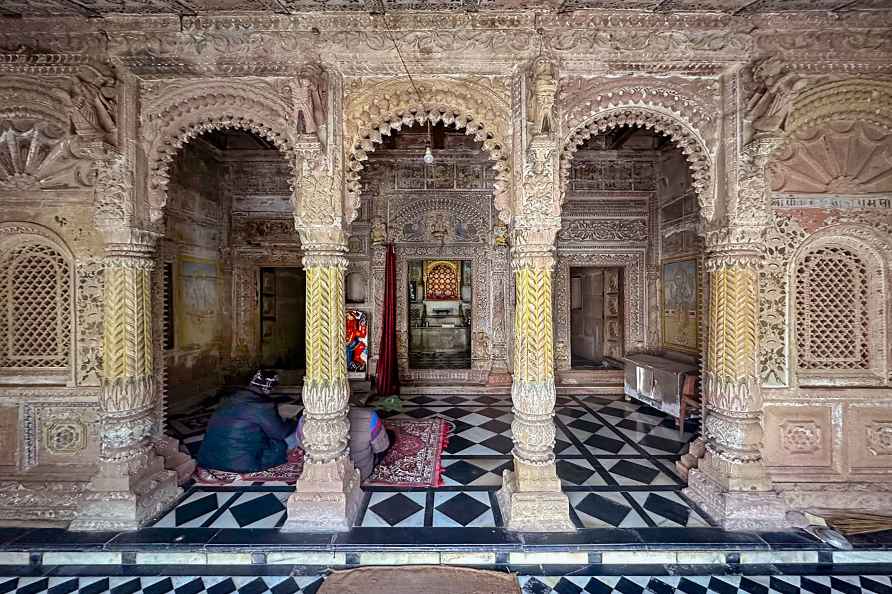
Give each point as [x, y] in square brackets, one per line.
[387, 379]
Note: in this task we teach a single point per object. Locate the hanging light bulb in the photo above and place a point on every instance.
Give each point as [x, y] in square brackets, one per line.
[428, 155]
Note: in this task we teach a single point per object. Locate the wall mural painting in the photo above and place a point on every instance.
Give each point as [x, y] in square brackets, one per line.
[357, 343]
[679, 307]
[198, 301]
[442, 280]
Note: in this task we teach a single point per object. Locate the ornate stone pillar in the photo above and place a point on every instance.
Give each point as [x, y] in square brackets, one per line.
[531, 499]
[131, 485]
[327, 497]
[731, 483]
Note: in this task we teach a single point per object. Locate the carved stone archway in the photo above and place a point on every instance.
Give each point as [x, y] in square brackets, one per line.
[481, 111]
[175, 116]
[685, 136]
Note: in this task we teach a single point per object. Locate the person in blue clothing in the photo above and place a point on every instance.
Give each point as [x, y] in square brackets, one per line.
[246, 433]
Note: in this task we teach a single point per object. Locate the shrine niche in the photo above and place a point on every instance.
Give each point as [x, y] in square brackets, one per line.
[439, 216]
[442, 281]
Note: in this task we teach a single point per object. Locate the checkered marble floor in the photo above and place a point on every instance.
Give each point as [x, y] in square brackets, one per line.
[630, 584]
[615, 459]
[725, 584]
[162, 585]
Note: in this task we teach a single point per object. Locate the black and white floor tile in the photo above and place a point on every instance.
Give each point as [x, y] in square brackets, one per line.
[209, 508]
[403, 510]
[431, 509]
[721, 584]
[530, 584]
[162, 585]
[615, 459]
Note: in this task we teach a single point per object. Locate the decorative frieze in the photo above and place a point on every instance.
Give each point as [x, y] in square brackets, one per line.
[588, 230]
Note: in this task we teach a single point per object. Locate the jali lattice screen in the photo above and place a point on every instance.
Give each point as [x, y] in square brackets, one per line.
[35, 311]
[832, 321]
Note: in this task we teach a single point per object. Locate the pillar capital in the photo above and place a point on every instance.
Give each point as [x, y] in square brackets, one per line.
[734, 246]
[533, 246]
[129, 242]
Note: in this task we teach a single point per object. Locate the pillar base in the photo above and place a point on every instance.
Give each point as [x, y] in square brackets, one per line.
[124, 495]
[737, 510]
[175, 460]
[691, 459]
[327, 498]
[533, 510]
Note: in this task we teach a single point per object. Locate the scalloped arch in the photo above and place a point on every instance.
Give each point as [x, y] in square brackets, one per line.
[383, 109]
[193, 115]
[672, 125]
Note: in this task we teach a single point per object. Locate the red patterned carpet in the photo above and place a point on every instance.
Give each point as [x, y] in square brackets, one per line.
[413, 460]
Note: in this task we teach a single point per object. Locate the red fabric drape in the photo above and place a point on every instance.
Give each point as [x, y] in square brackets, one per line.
[387, 379]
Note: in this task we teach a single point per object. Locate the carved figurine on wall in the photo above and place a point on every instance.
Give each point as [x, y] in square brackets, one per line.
[771, 103]
[500, 234]
[307, 94]
[378, 231]
[543, 87]
[91, 100]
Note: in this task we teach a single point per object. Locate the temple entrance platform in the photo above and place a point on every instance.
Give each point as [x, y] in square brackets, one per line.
[636, 531]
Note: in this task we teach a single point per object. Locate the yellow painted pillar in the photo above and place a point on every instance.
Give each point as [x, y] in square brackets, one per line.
[131, 485]
[531, 499]
[731, 483]
[327, 496]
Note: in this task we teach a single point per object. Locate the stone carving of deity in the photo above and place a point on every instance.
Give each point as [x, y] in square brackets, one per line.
[309, 107]
[91, 100]
[542, 91]
[379, 231]
[770, 105]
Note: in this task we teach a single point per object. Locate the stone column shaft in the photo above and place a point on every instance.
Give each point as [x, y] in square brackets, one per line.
[731, 483]
[327, 497]
[531, 499]
[131, 485]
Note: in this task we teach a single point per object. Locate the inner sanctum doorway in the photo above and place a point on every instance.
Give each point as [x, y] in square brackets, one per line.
[596, 317]
[283, 318]
[439, 298]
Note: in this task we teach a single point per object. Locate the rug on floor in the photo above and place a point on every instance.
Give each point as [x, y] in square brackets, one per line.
[427, 579]
[413, 460]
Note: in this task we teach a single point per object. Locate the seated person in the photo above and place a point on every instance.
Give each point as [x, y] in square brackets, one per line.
[246, 433]
[369, 440]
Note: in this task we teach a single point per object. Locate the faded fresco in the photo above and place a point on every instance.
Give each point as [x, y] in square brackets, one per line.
[198, 300]
[679, 305]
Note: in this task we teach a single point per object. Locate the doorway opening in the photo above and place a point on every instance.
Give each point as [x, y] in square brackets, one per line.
[283, 319]
[596, 318]
[439, 297]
